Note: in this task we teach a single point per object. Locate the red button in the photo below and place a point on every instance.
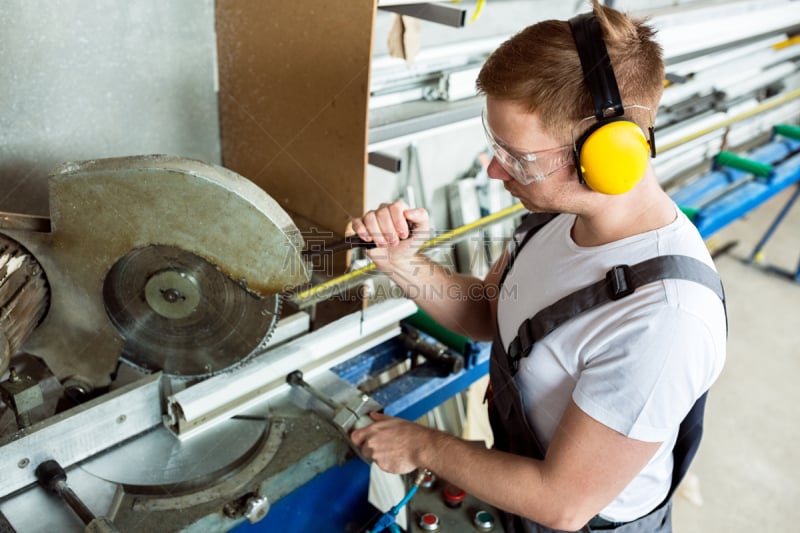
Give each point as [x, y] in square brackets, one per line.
[429, 522]
[429, 519]
[453, 496]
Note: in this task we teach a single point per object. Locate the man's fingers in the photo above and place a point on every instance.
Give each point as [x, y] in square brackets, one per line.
[386, 224]
[358, 436]
[390, 223]
[372, 222]
[361, 230]
[396, 211]
[418, 218]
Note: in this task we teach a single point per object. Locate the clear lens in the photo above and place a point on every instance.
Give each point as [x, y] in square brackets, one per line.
[526, 167]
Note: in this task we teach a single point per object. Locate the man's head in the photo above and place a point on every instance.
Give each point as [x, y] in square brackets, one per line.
[539, 68]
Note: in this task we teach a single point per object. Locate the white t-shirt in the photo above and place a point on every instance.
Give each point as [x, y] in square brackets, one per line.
[636, 365]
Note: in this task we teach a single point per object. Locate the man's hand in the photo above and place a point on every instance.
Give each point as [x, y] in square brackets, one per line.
[392, 443]
[389, 227]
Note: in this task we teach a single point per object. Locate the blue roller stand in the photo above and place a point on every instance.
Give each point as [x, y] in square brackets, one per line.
[724, 195]
[727, 194]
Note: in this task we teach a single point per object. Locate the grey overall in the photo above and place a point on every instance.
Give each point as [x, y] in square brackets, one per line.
[513, 434]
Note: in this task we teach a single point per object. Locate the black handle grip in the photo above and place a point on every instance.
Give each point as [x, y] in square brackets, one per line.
[358, 242]
[341, 245]
[49, 473]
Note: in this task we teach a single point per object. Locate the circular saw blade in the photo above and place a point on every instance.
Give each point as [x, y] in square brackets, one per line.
[179, 314]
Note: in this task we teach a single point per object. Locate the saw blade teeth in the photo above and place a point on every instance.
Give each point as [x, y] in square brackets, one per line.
[275, 317]
[180, 314]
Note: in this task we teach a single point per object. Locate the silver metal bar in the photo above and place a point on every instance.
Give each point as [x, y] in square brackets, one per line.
[427, 117]
[755, 81]
[201, 406]
[296, 380]
[74, 435]
[457, 84]
[736, 29]
[449, 16]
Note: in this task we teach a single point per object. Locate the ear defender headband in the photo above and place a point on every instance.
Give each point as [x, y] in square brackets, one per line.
[611, 156]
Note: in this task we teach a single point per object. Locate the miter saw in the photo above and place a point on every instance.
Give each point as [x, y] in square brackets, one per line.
[150, 379]
[142, 362]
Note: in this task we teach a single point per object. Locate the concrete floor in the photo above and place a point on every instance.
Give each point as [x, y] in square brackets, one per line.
[748, 467]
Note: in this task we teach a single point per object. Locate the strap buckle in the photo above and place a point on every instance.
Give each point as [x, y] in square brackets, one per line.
[514, 355]
[619, 282]
[520, 347]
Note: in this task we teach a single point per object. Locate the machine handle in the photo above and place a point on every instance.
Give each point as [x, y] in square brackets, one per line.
[342, 245]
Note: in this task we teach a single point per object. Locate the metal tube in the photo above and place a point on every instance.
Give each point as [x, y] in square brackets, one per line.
[205, 404]
[295, 379]
[767, 104]
[75, 503]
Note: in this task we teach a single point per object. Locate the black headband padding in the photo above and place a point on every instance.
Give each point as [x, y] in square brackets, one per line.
[597, 71]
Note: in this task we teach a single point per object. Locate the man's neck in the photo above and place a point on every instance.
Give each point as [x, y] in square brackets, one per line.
[624, 217]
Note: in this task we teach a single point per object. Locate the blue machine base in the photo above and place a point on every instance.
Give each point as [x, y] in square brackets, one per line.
[335, 501]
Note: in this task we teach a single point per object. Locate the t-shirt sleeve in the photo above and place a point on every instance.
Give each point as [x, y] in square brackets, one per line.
[648, 373]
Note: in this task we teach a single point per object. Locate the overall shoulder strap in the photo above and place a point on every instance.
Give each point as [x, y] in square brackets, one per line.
[619, 282]
[530, 225]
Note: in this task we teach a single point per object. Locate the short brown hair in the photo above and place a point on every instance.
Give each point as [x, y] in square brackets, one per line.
[539, 67]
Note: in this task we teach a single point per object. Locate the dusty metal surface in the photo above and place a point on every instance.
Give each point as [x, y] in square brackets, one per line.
[103, 209]
[79, 433]
[158, 463]
[299, 447]
[228, 486]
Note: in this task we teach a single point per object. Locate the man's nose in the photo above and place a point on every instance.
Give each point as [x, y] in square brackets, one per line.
[495, 170]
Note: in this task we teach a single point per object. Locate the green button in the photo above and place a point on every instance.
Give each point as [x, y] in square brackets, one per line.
[484, 520]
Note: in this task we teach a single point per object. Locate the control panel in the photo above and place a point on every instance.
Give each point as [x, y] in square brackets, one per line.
[441, 507]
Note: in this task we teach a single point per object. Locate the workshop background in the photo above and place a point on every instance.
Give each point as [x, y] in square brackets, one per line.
[333, 109]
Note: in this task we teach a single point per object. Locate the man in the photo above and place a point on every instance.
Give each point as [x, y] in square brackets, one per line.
[603, 395]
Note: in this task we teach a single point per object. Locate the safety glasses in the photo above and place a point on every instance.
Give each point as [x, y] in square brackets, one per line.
[526, 167]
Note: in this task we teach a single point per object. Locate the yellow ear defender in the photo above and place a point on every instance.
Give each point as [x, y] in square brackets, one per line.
[611, 156]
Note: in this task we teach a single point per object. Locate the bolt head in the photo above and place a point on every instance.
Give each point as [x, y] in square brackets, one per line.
[256, 508]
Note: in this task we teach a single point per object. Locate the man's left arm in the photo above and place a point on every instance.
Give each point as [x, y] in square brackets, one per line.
[587, 466]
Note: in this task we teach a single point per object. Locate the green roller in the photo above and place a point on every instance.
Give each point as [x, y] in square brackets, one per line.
[738, 162]
[787, 130]
[690, 212]
[423, 322]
